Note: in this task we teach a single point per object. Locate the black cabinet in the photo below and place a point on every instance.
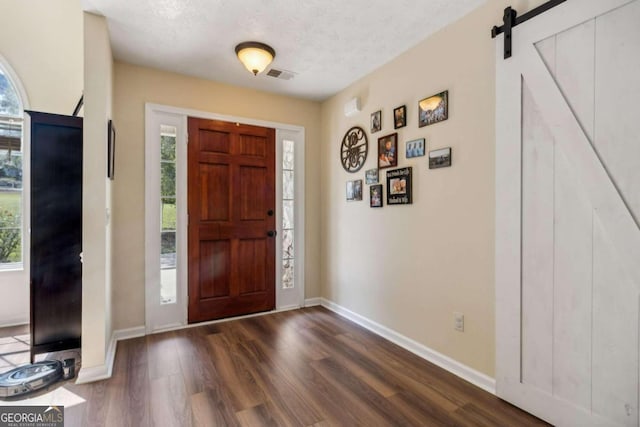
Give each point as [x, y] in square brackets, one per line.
[56, 232]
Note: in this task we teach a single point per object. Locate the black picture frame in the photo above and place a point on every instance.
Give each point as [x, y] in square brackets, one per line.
[375, 196]
[388, 151]
[399, 186]
[440, 158]
[111, 150]
[400, 117]
[433, 109]
[376, 121]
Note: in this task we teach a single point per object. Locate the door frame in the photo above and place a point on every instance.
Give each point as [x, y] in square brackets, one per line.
[176, 319]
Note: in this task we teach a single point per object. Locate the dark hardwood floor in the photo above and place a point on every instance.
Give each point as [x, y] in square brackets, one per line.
[306, 367]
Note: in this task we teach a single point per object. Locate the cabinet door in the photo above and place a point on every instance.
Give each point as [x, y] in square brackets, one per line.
[56, 231]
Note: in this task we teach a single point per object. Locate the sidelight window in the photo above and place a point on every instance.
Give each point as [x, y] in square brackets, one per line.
[288, 223]
[168, 272]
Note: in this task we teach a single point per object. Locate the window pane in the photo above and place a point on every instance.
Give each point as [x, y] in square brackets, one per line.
[10, 186]
[287, 244]
[287, 214]
[168, 272]
[287, 154]
[9, 104]
[168, 213]
[287, 185]
[168, 148]
[287, 274]
[168, 179]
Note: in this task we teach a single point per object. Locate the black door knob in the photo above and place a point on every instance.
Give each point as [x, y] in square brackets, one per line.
[272, 233]
[270, 212]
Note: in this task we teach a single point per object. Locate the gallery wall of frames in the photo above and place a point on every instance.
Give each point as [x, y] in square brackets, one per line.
[391, 151]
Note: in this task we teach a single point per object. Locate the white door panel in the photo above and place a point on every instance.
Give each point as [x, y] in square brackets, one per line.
[567, 203]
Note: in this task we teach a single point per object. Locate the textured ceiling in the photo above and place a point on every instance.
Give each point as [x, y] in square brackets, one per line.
[328, 44]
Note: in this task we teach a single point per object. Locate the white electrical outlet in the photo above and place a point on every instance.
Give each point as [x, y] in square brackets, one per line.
[458, 321]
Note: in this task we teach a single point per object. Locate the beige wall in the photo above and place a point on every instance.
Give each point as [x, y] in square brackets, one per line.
[42, 41]
[410, 267]
[134, 86]
[96, 231]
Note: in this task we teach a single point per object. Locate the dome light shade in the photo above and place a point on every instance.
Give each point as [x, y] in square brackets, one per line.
[255, 56]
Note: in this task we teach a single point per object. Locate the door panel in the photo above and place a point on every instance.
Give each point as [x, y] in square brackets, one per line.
[215, 268]
[215, 198]
[231, 190]
[253, 277]
[567, 236]
[252, 202]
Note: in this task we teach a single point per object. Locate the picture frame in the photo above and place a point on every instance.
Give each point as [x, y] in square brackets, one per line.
[111, 150]
[371, 176]
[400, 117]
[388, 151]
[440, 158]
[433, 109]
[399, 186]
[375, 196]
[414, 148]
[376, 121]
[354, 190]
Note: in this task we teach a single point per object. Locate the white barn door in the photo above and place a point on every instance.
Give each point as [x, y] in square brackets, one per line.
[567, 214]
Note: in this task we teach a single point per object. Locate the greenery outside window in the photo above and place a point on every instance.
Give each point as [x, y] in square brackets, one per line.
[11, 150]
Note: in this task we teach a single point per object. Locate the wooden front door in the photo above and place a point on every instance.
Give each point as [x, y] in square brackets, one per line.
[231, 202]
[567, 211]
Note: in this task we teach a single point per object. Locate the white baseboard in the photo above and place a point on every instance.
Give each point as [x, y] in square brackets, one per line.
[102, 372]
[125, 334]
[18, 321]
[463, 371]
[312, 302]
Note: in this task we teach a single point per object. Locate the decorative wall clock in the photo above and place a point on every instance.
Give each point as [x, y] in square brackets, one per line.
[354, 149]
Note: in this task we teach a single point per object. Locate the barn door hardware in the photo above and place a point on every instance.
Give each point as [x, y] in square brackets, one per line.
[511, 19]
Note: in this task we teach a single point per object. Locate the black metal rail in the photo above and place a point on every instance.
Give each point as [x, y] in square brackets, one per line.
[511, 19]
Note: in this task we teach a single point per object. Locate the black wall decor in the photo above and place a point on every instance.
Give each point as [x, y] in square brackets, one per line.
[354, 149]
[56, 232]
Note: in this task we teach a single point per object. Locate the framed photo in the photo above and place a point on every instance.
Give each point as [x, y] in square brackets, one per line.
[354, 190]
[400, 117]
[111, 150]
[433, 109]
[371, 176]
[375, 196]
[376, 121]
[388, 151]
[440, 158]
[399, 187]
[414, 148]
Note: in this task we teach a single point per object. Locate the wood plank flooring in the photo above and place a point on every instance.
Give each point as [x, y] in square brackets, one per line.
[306, 367]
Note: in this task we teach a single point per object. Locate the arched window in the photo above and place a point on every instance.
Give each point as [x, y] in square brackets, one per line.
[11, 151]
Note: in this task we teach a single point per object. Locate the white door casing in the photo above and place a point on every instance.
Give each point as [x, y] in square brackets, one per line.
[162, 317]
[567, 209]
[291, 297]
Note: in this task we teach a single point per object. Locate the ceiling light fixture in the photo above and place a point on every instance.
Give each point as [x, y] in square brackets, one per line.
[255, 56]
